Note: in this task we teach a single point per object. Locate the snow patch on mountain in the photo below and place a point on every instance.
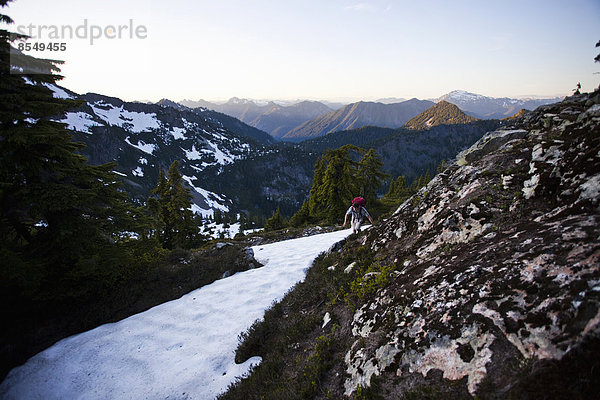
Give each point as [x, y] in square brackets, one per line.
[463, 95]
[178, 133]
[192, 154]
[145, 147]
[129, 120]
[222, 157]
[138, 171]
[213, 200]
[57, 92]
[79, 121]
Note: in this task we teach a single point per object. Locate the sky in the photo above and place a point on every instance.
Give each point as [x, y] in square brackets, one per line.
[338, 50]
[182, 349]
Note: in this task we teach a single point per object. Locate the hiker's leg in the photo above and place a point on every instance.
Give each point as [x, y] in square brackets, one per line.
[356, 226]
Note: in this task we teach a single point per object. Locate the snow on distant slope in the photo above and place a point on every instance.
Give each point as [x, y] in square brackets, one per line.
[141, 145]
[120, 131]
[57, 92]
[79, 121]
[212, 200]
[463, 96]
[178, 133]
[491, 107]
[117, 116]
[183, 349]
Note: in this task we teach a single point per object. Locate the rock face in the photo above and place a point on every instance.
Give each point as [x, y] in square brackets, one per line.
[497, 262]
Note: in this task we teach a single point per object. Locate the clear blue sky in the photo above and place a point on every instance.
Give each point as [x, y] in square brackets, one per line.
[324, 49]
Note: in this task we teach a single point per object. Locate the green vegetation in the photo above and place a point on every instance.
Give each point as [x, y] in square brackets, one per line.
[376, 276]
[368, 393]
[175, 225]
[275, 222]
[336, 181]
[67, 227]
[399, 192]
[299, 354]
[369, 176]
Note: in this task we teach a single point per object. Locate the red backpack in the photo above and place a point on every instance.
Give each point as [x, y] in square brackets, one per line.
[360, 201]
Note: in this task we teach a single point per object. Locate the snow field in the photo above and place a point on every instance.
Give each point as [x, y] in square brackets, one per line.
[182, 349]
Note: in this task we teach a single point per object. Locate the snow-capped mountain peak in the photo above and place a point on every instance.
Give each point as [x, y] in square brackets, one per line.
[462, 95]
[485, 107]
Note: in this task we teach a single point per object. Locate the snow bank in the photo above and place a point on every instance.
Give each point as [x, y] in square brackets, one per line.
[79, 121]
[183, 349]
[57, 92]
[132, 120]
[148, 148]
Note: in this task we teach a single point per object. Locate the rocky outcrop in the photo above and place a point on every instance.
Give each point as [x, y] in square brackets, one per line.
[497, 262]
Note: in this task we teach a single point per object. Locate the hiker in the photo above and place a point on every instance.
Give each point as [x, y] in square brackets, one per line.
[359, 212]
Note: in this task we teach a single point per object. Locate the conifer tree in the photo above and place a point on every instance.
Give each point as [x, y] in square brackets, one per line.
[398, 189]
[426, 178]
[62, 221]
[275, 222]
[338, 184]
[314, 200]
[369, 176]
[301, 217]
[218, 217]
[176, 225]
[337, 180]
[442, 166]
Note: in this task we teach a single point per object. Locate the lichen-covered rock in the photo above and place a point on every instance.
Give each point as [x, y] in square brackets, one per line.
[498, 260]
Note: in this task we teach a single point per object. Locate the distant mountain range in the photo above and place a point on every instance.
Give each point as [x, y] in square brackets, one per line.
[484, 107]
[390, 100]
[273, 118]
[357, 115]
[442, 113]
[230, 166]
[302, 120]
[280, 120]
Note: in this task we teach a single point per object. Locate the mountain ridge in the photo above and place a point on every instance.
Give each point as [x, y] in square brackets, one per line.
[442, 113]
[359, 114]
[485, 107]
[279, 121]
[274, 118]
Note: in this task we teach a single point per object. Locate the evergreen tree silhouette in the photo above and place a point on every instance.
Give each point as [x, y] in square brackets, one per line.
[176, 225]
[63, 222]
